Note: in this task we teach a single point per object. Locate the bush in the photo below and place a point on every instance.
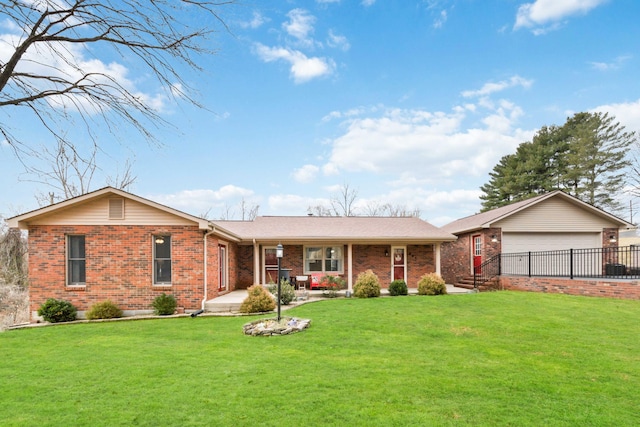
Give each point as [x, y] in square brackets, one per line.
[288, 292]
[398, 287]
[164, 305]
[258, 301]
[57, 310]
[104, 310]
[331, 285]
[367, 285]
[431, 284]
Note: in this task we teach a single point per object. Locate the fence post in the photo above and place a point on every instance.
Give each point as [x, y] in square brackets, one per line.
[571, 264]
[529, 263]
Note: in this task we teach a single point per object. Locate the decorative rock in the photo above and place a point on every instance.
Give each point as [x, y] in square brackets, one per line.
[270, 327]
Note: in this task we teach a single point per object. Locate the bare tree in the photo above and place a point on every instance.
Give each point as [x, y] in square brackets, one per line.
[54, 68]
[319, 210]
[248, 211]
[375, 208]
[68, 172]
[343, 204]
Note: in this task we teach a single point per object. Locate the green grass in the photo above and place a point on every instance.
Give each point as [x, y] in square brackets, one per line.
[496, 358]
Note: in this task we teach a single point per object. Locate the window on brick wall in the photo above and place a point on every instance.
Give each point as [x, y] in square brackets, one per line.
[323, 259]
[161, 260]
[76, 261]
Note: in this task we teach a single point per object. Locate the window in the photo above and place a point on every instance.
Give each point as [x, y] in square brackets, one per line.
[76, 261]
[161, 260]
[323, 259]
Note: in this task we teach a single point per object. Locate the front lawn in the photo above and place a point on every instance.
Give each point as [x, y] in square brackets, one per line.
[498, 358]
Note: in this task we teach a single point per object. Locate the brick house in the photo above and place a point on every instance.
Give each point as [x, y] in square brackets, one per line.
[548, 222]
[111, 244]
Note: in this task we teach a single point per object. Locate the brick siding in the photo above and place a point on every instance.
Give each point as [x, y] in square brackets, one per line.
[626, 289]
[119, 266]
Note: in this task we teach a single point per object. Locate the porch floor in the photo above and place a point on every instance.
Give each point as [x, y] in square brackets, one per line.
[230, 302]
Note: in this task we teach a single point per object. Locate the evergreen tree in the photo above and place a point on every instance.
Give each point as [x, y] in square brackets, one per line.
[585, 157]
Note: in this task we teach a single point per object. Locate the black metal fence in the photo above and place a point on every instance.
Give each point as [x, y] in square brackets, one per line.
[619, 262]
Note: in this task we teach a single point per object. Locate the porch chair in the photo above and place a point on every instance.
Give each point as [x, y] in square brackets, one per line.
[302, 286]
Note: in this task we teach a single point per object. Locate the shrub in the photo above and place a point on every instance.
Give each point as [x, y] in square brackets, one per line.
[57, 310]
[398, 287]
[431, 284]
[367, 285]
[104, 310]
[164, 304]
[331, 285]
[288, 292]
[258, 301]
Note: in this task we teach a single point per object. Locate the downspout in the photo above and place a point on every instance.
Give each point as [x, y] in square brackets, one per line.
[206, 281]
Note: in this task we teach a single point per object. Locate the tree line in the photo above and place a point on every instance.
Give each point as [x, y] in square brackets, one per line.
[587, 157]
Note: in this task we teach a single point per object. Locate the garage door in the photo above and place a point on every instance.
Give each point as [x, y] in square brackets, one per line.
[550, 264]
[525, 242]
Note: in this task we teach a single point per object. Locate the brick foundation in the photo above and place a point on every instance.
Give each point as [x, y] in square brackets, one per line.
[626, 289]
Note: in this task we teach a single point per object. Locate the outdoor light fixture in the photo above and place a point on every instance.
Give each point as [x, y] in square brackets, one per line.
[386, 252]
[279, 254]
[159, 240]
[494, 238]
[612, 238]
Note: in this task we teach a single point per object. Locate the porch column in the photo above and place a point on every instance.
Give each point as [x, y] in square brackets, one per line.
[350, 264]
[437, 245]
[256, 263]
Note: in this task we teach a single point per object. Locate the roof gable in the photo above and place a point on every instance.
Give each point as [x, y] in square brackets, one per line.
[95, 209]
[493, 217]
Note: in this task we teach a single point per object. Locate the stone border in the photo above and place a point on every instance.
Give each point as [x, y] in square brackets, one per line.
[271, 327]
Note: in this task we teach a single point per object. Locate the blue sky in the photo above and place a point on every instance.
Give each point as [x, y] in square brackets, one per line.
[409, 102]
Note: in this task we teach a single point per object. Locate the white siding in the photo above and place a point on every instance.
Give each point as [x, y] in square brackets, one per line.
[96, 212]
[554, 215]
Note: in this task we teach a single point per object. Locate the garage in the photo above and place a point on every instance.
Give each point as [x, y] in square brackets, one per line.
[525, 242]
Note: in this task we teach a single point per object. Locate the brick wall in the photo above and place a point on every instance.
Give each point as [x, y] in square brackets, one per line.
[119, 266]
[627, 289]
[245, 262]
[421, 260]
[456, 256]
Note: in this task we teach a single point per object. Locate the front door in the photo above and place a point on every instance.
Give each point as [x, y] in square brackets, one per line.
[398, 262]
[270, 266]
[476, 253]
[222, 263]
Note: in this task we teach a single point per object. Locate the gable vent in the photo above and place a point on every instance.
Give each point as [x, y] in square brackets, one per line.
[116, 208]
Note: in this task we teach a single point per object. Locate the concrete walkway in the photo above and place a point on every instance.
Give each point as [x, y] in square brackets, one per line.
[230, 302]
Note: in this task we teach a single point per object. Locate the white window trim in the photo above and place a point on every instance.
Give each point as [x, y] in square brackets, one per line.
[323, 247]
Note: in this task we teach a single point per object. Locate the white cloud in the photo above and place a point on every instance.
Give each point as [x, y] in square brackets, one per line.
[300, 25]
[291, 204]
[367, 3]
[613, 65]
[338, 41]
[256, 21]
[302, 68]
[306, 173]
[440, 21]
[199, 201]
[627, 113]
[427, 147]
[489, 88]
[551, 12]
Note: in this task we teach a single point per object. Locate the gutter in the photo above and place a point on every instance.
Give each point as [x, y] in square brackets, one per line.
[204, 297]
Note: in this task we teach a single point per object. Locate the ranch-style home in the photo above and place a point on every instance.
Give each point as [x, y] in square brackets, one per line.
[111, 244]
[549, 222]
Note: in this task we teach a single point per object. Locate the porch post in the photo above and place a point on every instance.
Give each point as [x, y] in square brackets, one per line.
[256, 263]
[437, 245]
[350, 264]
